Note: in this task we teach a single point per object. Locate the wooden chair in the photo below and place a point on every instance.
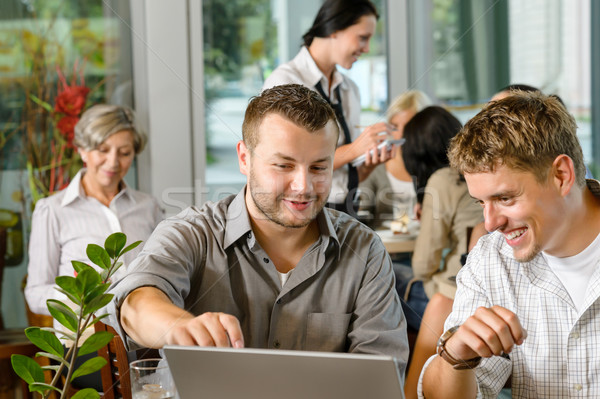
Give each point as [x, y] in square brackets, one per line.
[39, 320]
[115, 375]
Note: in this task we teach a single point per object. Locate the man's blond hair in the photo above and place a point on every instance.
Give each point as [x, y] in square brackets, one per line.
[525, 131]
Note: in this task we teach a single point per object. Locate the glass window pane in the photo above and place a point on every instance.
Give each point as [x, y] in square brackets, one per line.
[89, 43]
[462, 52]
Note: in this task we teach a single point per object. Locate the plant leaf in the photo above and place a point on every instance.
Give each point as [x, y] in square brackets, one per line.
[63, 314]
[69, 284]
[53, 330]
[45, 340]
[98, 255]
[104, 275]
[90, 366]
[131, 246]
[27, 369]
[60, 359]
[114, 244]
[88, 279]
[75, 299]
[95, 292]
[115, 267]
[95, 342]
[42, 386]
[86, 393]
[79, 266]
[41, 103]
[98, 303]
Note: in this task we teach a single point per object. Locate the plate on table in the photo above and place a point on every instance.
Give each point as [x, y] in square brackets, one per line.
[413, 231]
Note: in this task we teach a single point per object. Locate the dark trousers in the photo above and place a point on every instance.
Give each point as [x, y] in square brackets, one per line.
[93, 380]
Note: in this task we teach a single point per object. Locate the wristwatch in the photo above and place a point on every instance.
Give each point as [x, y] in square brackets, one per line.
[457, 364]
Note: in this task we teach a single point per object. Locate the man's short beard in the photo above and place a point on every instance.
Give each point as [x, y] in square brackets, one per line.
[531, 255]
[272, 213]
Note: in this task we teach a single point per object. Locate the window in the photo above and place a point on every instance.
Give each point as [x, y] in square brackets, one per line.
[36, 37]
[462, 52]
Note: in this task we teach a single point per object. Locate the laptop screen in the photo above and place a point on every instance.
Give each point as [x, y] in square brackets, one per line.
[203, 372]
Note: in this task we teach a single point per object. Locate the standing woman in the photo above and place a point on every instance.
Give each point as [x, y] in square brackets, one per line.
[96, 204]
[340, 34]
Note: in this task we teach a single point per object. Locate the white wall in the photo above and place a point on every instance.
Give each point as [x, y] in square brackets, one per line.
[169, 94]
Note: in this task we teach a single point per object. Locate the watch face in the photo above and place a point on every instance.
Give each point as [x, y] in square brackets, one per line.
[445, 336]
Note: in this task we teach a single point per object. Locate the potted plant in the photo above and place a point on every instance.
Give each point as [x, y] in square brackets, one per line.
[88, 293]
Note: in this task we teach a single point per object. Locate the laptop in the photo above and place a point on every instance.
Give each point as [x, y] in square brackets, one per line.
[224, 373]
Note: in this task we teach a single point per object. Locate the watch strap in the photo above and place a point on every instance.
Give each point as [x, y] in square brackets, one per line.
[457, 364]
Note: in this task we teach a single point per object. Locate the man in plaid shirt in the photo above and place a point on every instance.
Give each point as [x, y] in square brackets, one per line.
[527, 308]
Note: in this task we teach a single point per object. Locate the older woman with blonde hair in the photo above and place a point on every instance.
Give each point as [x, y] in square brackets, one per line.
[94, 205]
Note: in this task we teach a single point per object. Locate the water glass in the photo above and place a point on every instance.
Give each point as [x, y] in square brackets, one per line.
[151, 379]
[403, 211]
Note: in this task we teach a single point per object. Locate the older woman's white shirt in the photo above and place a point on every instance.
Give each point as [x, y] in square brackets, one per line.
[65, 223]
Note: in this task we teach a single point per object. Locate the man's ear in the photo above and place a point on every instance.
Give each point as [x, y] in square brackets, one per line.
[243, 157]
[563, 173]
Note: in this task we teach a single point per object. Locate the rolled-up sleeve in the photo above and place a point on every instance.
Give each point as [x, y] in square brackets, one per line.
[167, 263]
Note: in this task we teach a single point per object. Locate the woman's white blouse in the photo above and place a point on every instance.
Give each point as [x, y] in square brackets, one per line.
[65, 223]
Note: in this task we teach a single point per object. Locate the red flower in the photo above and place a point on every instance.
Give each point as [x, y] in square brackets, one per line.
[71, 100]
[66, 126]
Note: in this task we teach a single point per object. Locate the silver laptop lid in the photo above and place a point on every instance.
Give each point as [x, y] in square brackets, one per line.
[226, 373]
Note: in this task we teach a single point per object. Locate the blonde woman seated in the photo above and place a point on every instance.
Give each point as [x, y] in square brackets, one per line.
[96, 203]
[391, 183]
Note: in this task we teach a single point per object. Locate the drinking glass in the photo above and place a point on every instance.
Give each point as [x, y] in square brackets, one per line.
[151, 379]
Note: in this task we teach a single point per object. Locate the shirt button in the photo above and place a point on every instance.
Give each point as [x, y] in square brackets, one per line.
[575, 335]
[578, 387]
[249, 235]
[276, 344]
[266, 260]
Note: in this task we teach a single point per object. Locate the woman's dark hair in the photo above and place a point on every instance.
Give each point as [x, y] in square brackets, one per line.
[428, 135]
[336, 15]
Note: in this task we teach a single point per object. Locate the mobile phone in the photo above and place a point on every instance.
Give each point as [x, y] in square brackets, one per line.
[384, 144]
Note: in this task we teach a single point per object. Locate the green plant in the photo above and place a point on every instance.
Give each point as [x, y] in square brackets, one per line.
[87, 291]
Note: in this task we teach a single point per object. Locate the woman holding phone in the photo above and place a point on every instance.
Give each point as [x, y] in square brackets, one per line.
[340, 34]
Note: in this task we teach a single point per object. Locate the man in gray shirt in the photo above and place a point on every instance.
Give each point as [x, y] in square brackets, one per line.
[269, 267]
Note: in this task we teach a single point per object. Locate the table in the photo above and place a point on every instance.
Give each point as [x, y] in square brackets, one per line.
[395, 243]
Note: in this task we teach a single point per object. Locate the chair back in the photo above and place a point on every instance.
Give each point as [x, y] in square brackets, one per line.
[115, 374]
[116, 382]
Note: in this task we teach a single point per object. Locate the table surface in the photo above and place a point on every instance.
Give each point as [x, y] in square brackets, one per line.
[395, 243]
[15, 342]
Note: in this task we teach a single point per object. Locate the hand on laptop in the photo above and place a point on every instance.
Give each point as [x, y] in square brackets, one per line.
[150, 318]
[208, 329]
